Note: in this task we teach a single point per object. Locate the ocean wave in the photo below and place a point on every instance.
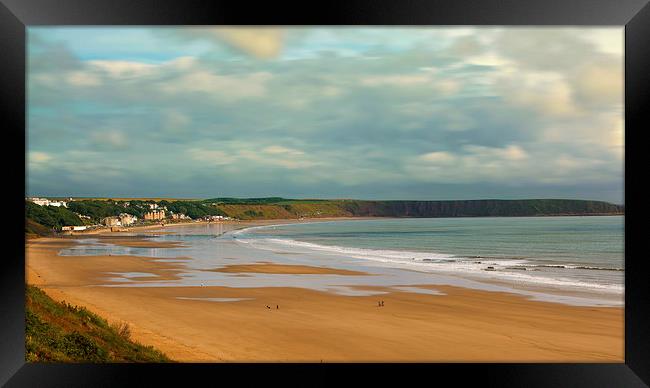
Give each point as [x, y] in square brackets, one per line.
[365, 252]
[507, 269]
[575, 266]
[248, 229]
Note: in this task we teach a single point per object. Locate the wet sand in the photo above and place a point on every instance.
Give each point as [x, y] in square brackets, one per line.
[286, 269]
[139, 242]
[230, 224]
[310, 326]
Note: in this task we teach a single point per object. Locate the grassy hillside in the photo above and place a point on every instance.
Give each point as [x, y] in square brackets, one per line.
[155, 199]
[49, 217]
[34, 229]
[98, 209]
[283, 208]
[59, 332]
[481, 208]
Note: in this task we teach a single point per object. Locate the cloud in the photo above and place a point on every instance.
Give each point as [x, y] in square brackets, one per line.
[252, 155]
[422, 79]
[258, 42]
[545, 49]
[511, 165]
[230, 86]
[79, 78]
[176, 122]
[464, 46]
[213, 157]
[397, 80]
[121, 69]
[109, 139]
[437, 157]
[280, 150]
[38, 161]
[548, 93]
[39, 157]
[600, 84]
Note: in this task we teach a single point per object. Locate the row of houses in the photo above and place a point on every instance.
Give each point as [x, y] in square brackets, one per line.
[74, 228]
[216, 218]
[154, 215]
[47, 202]
[125, 219]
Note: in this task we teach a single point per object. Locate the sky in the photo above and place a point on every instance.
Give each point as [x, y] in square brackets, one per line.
[365, 113]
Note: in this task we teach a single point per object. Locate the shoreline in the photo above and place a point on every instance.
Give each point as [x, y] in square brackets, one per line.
[222, 324]
[533, 289]
[308, 219]
[160, 228]
[565, 293]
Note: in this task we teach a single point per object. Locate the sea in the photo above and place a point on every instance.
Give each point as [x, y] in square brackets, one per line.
[576, 260]
[580, 251]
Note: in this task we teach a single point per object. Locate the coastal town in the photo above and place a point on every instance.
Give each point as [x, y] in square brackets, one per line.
[154, 214]
[65, 214]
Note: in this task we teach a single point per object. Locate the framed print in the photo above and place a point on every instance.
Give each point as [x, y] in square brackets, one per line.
[287, 192]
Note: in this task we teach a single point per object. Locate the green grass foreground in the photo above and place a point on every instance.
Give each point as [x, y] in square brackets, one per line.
[59, 332]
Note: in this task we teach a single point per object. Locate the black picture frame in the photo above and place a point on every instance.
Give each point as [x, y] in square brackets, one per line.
[16, 15]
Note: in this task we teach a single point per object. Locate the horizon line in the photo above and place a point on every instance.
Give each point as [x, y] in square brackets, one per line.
[162, 198]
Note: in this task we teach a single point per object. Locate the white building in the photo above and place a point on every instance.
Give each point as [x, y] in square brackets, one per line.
[71, 228]
[216, 218]
[112, 221]
[39, 201]
[47, 202]
[127, 219]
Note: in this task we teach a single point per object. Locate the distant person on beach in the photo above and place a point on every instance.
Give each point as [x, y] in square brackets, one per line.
[277, 307]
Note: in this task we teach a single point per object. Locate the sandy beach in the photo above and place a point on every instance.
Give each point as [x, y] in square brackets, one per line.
[291, 324]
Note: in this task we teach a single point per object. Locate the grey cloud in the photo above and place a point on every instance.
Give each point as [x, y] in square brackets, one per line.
[545, 48]
[464, 46]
